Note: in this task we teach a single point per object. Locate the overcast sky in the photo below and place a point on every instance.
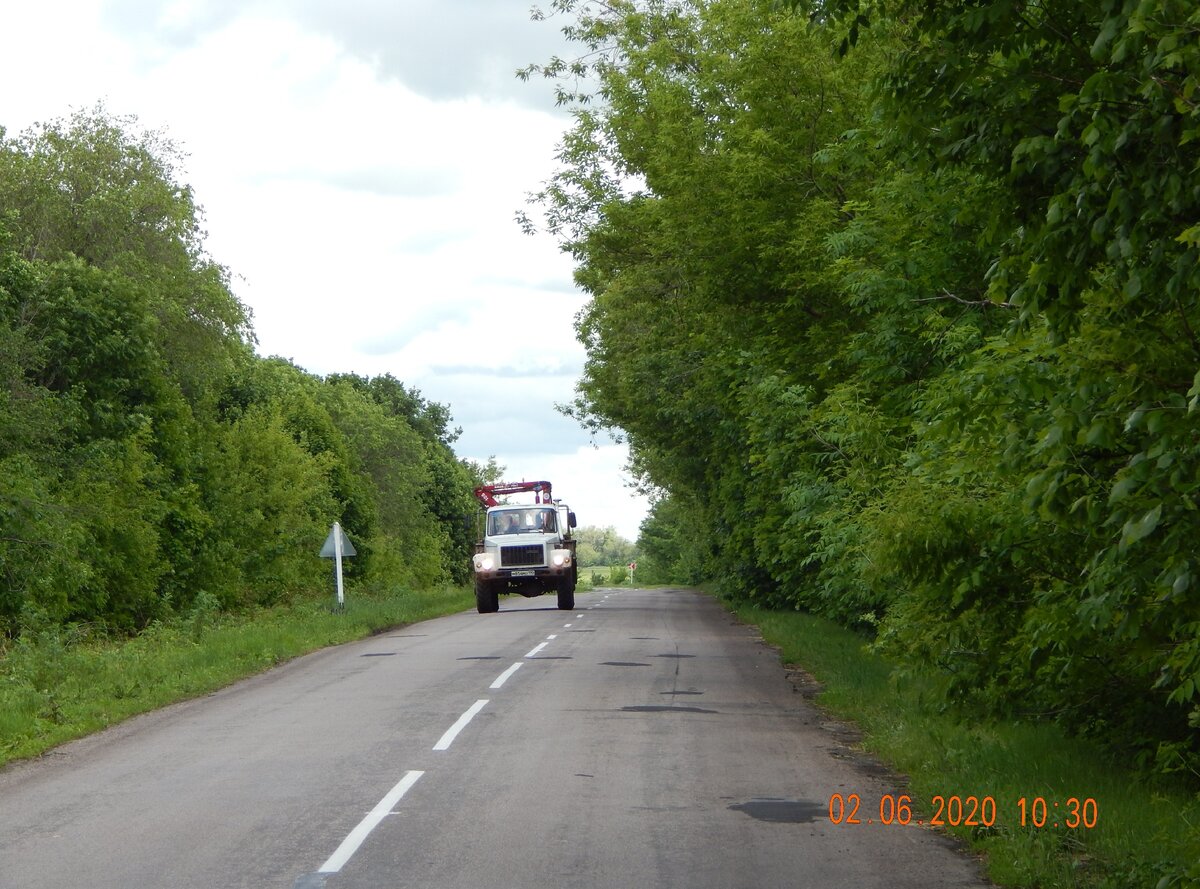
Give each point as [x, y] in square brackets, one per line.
[360, 163]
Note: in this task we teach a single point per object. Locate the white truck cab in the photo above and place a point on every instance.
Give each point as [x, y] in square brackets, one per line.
[526, 549]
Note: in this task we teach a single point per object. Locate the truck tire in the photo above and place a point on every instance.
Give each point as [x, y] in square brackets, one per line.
[487, 596]
[566, 593]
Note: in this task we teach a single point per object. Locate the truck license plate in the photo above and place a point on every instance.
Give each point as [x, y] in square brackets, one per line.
[525, 572]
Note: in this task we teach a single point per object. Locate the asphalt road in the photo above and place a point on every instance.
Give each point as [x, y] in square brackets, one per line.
[643, 740]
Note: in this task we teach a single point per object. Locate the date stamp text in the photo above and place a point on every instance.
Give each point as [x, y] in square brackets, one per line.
[1073, 813]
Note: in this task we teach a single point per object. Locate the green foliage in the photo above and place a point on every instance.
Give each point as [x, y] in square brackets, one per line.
[669, 544]
[95, 188]
[272, 495]
[405, 445]
[905, 332]
[1098, 252]
[152, 465]
[603, 546]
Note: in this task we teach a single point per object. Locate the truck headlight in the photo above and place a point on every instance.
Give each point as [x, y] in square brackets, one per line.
[485, 562]
[560, 558]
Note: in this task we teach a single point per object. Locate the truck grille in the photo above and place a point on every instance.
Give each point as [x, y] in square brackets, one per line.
[513, 556]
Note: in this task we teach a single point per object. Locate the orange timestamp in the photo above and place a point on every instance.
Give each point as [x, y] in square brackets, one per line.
[966, 811]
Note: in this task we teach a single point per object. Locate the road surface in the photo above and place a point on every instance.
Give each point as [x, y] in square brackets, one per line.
[644, 739]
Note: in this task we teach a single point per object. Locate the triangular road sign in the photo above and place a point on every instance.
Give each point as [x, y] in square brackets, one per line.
[328, 551]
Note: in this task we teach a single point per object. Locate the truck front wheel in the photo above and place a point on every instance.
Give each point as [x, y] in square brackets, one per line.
[566, 593]
[487, 596]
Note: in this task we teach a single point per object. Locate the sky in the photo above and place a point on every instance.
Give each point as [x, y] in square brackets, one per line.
[360, 164]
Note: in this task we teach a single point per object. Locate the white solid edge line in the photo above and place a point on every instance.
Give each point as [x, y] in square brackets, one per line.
[451, 733]
[503, 677]
[351, 843]
[533, 651]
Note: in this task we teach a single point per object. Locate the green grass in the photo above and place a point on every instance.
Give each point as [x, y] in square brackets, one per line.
[60, 684]
[1147, 833]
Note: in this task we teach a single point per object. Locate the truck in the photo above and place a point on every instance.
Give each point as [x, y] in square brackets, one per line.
[524, 548]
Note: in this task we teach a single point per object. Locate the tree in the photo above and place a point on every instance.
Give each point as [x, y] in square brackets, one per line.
[669, 548]
[96, 187]
[603, 547]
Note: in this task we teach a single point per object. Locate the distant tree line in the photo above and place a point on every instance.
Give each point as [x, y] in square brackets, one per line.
[598, 546]
[148, 457]
[898, 304]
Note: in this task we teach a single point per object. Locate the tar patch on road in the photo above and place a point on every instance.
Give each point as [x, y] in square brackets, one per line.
[781, 811]
[622, 664]
[379, 654]
[480, 657]
[675, 655]
[659, 708]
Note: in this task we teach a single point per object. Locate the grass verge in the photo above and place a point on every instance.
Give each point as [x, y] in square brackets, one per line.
[59, 684]
[1146, 834]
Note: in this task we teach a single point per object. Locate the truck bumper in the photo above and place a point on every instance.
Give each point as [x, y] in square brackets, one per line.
[486, 567]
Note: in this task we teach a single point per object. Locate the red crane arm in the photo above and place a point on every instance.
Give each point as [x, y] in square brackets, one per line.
[487, 494]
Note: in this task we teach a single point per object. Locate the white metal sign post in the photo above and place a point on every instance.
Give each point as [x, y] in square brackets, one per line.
[338, 546]
[337, 563]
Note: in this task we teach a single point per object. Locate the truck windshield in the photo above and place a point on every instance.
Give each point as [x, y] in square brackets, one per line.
[521, 521]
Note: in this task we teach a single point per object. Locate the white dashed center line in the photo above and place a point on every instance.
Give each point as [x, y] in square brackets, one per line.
[451, 733]
[385, 806]
[351, 843]
[503, 677]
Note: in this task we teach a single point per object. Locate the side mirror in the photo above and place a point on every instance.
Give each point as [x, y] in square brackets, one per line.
[571, 519]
